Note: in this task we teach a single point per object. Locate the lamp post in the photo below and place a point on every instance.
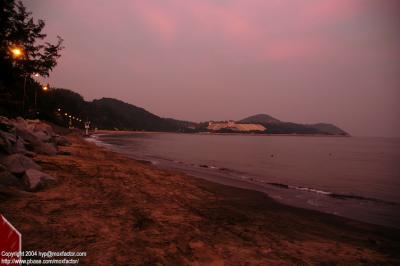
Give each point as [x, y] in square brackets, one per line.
[44, 88]
[36, 75]
[18, 53]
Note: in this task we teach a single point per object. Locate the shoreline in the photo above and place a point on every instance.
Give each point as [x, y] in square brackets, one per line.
[122, 211]
[116, 132]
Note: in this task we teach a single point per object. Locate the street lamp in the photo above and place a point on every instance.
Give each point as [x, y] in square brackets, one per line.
[17, 52]
[44, 88]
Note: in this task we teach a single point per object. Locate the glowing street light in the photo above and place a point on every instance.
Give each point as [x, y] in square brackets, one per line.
[17, 52]
[44, 88]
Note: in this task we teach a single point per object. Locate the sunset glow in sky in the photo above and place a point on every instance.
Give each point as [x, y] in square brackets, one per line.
[298, 60]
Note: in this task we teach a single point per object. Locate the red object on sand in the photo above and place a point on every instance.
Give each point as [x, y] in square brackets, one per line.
[10, 243]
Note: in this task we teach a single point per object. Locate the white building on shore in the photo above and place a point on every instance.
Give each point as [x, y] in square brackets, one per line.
[232, 125]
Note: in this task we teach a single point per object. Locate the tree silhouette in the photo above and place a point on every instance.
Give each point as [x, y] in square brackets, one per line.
[19, 29]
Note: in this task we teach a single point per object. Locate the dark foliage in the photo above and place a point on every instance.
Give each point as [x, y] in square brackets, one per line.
[275, 126]
[290, 128]
[107, 113]
[19, 30]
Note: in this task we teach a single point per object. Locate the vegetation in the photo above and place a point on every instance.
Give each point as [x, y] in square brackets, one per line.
[23, 52]
[106, 113]
[275, 126]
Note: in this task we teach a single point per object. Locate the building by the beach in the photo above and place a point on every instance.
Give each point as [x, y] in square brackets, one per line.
[232, 125]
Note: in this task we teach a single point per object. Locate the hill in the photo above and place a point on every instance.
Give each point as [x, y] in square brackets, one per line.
[108, 113]
[105, 113]
[276, 126]
[259, 119]
[329, 129]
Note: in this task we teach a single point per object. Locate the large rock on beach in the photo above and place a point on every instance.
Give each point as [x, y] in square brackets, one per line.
[10, 143]
[42, 131]
[18, 163]
[35, 141]
[20, 138]
[6, 178]
[6, 142]
[61, 141]
[36, 180]
[46, 148]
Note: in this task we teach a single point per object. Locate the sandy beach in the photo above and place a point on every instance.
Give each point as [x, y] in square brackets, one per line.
[125, 212]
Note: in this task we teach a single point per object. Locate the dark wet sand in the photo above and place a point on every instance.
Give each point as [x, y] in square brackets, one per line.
[124, 212]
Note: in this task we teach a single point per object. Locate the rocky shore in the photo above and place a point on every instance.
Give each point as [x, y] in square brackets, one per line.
[20, 142]
[64, 193]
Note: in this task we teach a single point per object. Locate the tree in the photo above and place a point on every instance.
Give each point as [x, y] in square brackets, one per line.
[19, 29]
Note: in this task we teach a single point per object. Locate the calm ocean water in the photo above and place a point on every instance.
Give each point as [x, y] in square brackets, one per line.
[358, 178]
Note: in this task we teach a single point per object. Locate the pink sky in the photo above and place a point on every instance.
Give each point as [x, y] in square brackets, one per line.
[298, 60]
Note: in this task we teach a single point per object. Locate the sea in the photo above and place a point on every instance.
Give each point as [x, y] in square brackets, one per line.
[353, 177]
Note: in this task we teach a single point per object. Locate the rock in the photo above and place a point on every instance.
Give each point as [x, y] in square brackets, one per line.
[42, 136]
[4, 120]
[28, 136]
[19, 147]
[61, 141]
[36, 180]
[36, 144]
[30, 154]
[32, 135]
[18, 163]
[5, 124]
[45, 148]
[6, 178]
[5, 143]
[42, 130]
[65, 153]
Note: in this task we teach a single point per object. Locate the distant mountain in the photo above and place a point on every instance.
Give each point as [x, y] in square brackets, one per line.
[329, 129]
[106, 113]
[275, 126]
[111, 113]
[260, 119]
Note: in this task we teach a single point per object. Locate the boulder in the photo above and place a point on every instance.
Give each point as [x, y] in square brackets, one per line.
[5, 124]
[18, 163]
[61, 141]
[5, 143]
[32, 135]
[19, 147]
[6, 178]
[27, 136]
[10, 144]
[42, 136]
[4, 120]
[36, 126]
[45, 148]
[35, 143]
[36, 180]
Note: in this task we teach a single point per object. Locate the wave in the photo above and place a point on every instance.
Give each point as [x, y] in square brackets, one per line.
[208, 166]
[356, 197]
[332, 194]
